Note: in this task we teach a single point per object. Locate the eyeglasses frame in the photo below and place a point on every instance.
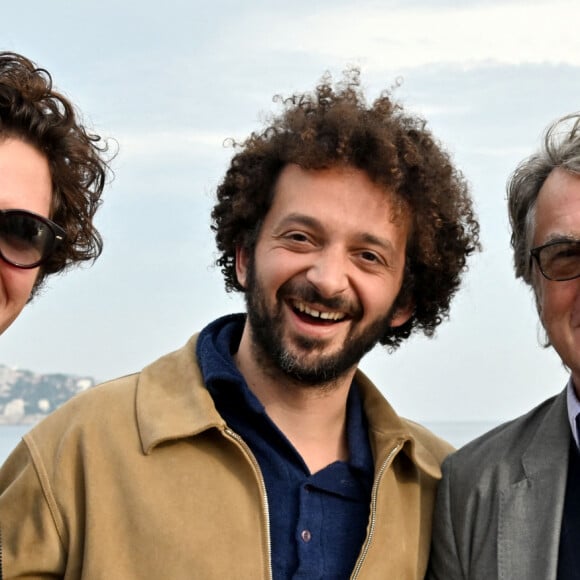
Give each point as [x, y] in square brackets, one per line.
[57, 231]
[535, 254]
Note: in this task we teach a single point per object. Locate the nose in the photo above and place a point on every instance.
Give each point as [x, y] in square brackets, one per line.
[329, 272]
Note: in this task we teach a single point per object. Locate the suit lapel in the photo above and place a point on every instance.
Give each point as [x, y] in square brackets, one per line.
[531, 509]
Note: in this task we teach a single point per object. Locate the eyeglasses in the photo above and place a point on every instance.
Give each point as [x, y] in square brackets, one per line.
[558, 260]
[26, 239]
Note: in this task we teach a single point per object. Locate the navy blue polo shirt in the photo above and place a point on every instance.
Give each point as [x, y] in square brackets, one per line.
[317, 521]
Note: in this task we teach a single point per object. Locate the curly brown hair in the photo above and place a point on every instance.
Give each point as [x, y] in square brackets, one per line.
[32, 111]
[334, 126]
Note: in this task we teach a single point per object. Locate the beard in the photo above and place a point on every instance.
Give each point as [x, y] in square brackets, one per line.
[274, 352]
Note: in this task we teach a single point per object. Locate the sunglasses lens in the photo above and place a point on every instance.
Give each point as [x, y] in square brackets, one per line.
[25, 240]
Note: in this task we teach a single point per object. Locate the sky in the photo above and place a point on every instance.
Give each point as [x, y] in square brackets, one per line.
[170, 83]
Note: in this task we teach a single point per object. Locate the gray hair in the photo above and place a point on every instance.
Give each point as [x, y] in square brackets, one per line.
[561, 148]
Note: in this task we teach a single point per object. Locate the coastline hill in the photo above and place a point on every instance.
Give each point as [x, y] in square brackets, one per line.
[26, 397]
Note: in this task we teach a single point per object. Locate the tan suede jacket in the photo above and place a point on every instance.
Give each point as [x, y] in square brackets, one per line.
[140, 478]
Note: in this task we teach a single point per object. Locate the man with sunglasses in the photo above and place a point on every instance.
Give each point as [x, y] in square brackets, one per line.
[50, 167]
[509, 506]
[258, 450]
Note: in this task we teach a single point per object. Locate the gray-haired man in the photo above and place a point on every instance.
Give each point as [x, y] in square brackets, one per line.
[507, 506]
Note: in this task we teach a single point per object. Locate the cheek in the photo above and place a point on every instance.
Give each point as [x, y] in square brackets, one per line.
[557, 300]
[274, 269]
[375, 297]
[17, 284]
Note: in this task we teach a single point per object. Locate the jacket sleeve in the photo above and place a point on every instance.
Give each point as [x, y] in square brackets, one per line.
[31, 545]
[444, 563]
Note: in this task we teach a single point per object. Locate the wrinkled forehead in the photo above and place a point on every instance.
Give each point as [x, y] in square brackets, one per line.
[557, 210]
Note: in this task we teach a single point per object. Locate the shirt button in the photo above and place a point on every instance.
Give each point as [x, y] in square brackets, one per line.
[306, 535]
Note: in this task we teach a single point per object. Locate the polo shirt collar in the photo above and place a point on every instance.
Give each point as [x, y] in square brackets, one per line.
[216, 345]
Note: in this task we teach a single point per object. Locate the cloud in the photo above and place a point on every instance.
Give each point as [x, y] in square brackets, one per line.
[415, 35]
[171, 143]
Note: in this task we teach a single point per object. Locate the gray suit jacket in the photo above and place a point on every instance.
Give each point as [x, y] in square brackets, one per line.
[499, 505]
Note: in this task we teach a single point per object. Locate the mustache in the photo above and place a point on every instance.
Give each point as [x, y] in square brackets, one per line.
[305, 292]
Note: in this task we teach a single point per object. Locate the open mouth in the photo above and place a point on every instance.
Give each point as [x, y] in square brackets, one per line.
[313, 315]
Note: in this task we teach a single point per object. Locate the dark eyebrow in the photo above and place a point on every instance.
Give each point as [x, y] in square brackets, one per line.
[308, 221]
[553, 238]
[299, 218]
[376, 241]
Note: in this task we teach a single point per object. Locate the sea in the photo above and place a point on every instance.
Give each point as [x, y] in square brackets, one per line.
[458, 433]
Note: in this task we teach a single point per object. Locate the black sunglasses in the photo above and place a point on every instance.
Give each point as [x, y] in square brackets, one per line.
[27, 239]
[558, 260]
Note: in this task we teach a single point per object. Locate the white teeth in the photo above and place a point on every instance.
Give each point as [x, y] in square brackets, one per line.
[301, 307]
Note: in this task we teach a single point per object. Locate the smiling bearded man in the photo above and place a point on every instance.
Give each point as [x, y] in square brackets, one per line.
[259, 450]
[309, 364]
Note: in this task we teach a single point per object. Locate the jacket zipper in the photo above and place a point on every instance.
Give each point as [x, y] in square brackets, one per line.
[373, 519]
[233, 435]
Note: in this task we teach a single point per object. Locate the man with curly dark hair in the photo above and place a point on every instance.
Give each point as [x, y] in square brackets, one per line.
[259, 450]
[508, 505]
[52, 174]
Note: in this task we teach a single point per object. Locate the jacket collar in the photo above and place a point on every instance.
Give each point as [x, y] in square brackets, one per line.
[387, 429]
[173, 403]
[529, 550]
[548, 448]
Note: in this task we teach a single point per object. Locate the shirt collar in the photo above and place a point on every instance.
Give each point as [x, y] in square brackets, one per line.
[360, 455]
[573, 409]
[216, 344]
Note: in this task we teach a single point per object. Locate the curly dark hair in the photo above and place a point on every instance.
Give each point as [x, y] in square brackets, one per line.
[332, 127]
[32, 111]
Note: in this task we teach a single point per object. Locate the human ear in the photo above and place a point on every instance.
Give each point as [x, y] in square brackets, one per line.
[401, 315]
[242, 260]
